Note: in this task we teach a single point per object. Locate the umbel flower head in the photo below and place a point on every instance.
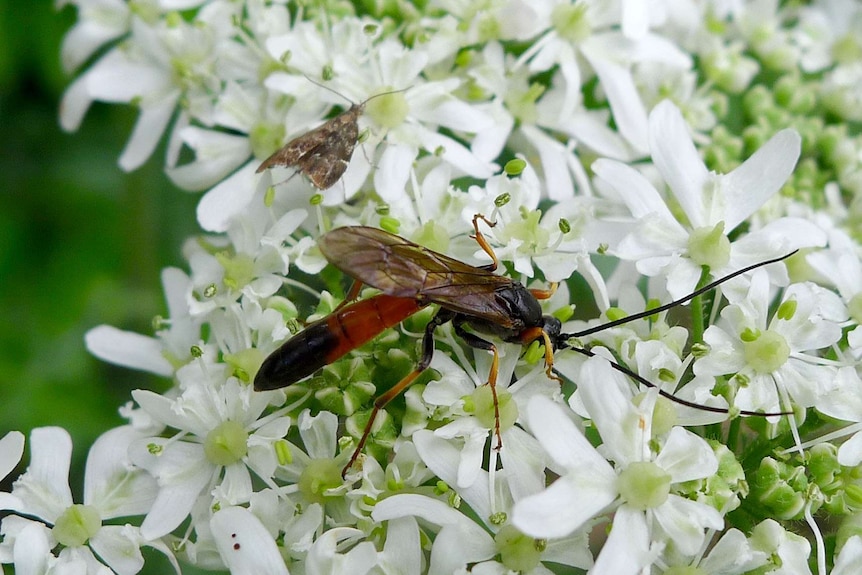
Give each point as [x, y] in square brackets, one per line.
[631, 155]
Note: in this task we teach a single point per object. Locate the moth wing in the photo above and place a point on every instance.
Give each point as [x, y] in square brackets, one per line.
[401, 268]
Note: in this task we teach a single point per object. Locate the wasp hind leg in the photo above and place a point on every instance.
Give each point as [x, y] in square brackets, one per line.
[383, 400]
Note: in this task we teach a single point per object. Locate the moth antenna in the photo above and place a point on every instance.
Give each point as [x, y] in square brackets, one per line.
[675, 303]
[340, 95]
[336, 92]
[387, 93]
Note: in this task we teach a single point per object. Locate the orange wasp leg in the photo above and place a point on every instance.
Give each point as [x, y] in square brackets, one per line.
[477, 342]
[483, 243]
[351, 296]
[441, 317]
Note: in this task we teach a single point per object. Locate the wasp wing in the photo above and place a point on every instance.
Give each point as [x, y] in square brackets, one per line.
[399, 267]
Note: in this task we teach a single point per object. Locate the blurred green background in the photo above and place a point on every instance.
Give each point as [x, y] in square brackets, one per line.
[81, 242]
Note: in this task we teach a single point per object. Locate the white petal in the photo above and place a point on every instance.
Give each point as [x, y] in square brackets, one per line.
[455, 153]
[216, 155]
[226, 200]
[323, 558]
[128, 349]
[733, 554]
[149, 128]
[563, 440]
[454, 549]
[675, 156]
[44, 488]
[686, 456]
[760, 177]
[117, 550]
[850, 557]
[393, 171]
[626, 550]
[567, 504]
[74, 105]
[111, 483]
[684, 522]
[182, 471]
[32, 550]
[245, 546]
[850, 452]
[554, 167]
[318, 433]
[618, 84]
[443, 459]
[11, 450]
[402, 552]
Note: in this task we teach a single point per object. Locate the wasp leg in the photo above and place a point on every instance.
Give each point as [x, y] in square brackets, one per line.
[483, 243]
[545, 293]
[352, 295]
[477, 342]
[529, 335]
[382, 401]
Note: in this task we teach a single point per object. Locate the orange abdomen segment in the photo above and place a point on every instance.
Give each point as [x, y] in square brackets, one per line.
[329, 338]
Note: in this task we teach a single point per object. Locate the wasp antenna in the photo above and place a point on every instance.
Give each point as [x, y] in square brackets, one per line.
[336, 92]
[681, 300]
[626, 371]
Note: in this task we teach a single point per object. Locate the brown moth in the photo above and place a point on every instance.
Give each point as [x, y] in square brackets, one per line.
[323, 154]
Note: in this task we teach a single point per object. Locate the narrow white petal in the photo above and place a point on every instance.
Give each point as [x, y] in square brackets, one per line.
[675, 156]
[850, 452]
[760, 176]
[226, 200]
[626, 551]
[11, 450]
[128, 349]
[74, 104]
[402, 552]
[44, 488]
[149, 129]
[393, 171]
[111, 483]
[245, 546]
[567, 504]
[639, 195]
[686, 456]
[684, 521]
[850, 557]
[554, 166]
[455, 548]
[455, 153]
[563, 441]
[117, 550]
[443, 459]
[623, 97]
[32, 550]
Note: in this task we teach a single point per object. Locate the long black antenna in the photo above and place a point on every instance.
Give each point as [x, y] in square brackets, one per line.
[675, 303]
[562, 340]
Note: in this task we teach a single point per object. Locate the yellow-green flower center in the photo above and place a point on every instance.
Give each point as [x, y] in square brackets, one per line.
[388, 110]
[644, 485]
[764, 351]
[319, 476]
[709, 246]
[483, 408]
[518, 552]
[571, 21]
[76, 525]
[226, 444]
[855, 307]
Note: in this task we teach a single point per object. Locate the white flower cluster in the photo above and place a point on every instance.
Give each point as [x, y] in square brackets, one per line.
[631, 151]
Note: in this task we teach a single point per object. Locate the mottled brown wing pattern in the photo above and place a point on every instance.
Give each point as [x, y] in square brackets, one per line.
[401, 268]
[321, 155]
